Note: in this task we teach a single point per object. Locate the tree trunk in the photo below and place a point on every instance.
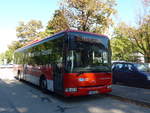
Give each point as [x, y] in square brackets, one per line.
[147, 58]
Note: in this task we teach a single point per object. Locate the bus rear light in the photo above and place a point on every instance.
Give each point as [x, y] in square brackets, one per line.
[71, 90]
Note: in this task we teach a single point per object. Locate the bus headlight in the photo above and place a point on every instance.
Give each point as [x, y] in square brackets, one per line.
[109, 86]
[83, 79]
[71, 90]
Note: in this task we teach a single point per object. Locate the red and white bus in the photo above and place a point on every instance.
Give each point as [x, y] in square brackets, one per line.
[71, 63]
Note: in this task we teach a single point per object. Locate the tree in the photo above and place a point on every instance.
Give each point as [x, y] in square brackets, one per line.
[129, 41]
[2, 57]
[137, 38]
[141, 35]
[29, 31]
[44, 34]
[15, 45]
[58, 23]
[89, 15]
[141, 38]
[122, 46]
[8, 55]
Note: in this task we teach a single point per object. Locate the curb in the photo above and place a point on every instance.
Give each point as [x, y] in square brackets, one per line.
[125, 99]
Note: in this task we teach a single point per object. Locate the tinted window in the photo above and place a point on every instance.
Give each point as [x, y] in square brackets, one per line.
[47, 53]
[118, 66]
[142, 67]
[128, 67]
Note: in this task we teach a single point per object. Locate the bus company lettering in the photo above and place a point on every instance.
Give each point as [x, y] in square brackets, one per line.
[90, 40]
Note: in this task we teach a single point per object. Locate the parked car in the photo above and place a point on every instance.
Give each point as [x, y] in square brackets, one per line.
[135, 74]
[6, 65]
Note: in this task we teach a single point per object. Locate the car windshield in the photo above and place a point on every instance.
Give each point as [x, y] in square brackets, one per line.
[142, 67]
[88, 57]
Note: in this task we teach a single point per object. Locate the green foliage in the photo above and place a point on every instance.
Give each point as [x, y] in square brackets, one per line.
[89, 15]
[29, 31]
[2, 57]
[93, 16]
[45, 34]
[129, 41]
[15, 45]
[122, 47]
[58, 23]
[8, 55]
[141, 38]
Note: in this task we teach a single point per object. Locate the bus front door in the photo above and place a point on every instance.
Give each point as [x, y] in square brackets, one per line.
[58, 79]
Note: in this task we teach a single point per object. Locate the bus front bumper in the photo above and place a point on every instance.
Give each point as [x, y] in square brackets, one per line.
[89, 91]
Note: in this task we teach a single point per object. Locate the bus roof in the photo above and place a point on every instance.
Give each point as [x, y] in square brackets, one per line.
[56, 35]
[85, 32]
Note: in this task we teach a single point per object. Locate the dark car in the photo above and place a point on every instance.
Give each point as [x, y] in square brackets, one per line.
[135, 74]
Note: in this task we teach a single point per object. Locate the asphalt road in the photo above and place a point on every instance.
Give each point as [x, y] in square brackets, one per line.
[20, 97]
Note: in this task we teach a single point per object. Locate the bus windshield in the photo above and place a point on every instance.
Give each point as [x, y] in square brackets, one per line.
[88, 57]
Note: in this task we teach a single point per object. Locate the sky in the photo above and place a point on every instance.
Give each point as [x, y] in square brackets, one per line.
[14, 11]
[127, 10]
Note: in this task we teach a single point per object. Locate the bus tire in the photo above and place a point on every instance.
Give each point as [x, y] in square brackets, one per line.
[43, 84]
[19, 75]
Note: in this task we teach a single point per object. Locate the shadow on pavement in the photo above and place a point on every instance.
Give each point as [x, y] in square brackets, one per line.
[23, 97]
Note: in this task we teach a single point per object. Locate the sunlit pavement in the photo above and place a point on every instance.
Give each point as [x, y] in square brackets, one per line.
[18, 97]
[6, 73]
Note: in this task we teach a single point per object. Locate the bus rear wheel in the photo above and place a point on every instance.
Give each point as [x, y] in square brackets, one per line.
[18, 75]
[43, 84]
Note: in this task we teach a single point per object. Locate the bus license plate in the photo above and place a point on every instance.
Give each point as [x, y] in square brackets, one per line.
[93, 92]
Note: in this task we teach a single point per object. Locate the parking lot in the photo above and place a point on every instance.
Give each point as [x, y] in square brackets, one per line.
[20, 97]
